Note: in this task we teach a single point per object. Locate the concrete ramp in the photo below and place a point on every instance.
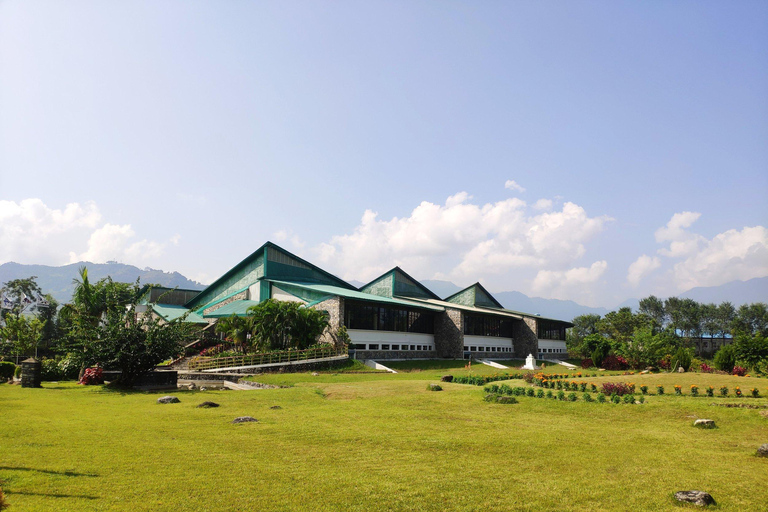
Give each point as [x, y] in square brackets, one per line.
[493, 364]
[567, 365]
[377, 366]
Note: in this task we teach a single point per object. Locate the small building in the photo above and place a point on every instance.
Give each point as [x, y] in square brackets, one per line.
[392, 317]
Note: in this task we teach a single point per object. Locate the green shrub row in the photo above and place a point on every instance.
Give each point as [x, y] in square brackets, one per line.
[7, 369]
[481, 380]
[496, 390]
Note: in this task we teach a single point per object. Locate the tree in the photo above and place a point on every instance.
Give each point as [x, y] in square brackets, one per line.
[751, 319]
[653, 308]
[279, 325]
[752, 350]
[726, 314]
[237, 329]
[16, 291]
[583, 326]
[23, 333]
[134, 344]
[620, 326]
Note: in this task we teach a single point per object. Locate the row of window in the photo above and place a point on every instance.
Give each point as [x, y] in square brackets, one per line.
[390, 346]
[373, 317]
[549, 330]
[551, 350]
[487, 349]
[487, 325]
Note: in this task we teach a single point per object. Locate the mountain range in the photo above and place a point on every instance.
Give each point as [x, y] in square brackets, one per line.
[58, 282]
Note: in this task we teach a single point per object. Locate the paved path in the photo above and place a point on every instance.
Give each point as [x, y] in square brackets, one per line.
[567, 365]
[494, 364]
[377, 366]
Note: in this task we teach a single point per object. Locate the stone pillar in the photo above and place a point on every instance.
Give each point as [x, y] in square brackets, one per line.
[449, 334]
[30, 373]
[525, 339]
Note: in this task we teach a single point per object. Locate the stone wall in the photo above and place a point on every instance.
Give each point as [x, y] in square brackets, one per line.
[238, 296]
[384, 355]
[525, 339]
[449, 334]
[335, 308]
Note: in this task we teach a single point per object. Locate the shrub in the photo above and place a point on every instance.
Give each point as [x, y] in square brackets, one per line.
[694, 390]
[644, 389]
[601, 398]
[583, 386]
[593, 386]
[492, 389]
[49, 370]
[92, 376]
[529, 392]
[705, 368]
[618, 388]
[528, 377]
[434, 387]
[7, 370]
[615, 398]
[737, 391]
[755, 393]
[678, 390]
[725, 358]
[710, 391]
[17, 372]
[561, 395]
[549, 394]
[739, 370]
[641, 399]
[504, 389]
[587, 397]
[682, 359]
[629, 399]
[506, 400]
[540, 393]
[587, 363]
[723, 390]
[615, 363]
[659, 390]
[490, 397]
[572, 397]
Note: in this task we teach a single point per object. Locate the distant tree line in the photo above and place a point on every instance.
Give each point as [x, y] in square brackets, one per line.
[662, 332]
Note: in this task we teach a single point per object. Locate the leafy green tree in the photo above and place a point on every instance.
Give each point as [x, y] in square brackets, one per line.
[725, 358]
[619, 326]
[752, 350]
[583, 326]
[23, 333]
[15, 290]
[237, 329]
[653, 308]
[279, 325]
[751, 319]
[726, 314]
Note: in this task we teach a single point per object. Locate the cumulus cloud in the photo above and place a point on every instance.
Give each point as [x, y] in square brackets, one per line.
[641, 267]
[513, 185]
[461, 240]
[729, 256]
[573, 282]
[543, 204]
[32, 232]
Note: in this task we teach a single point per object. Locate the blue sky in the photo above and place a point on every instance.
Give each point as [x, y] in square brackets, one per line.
[591, 151]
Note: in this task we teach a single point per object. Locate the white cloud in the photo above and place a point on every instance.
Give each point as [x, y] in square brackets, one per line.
[641, 267]
[462, 241]
[513, 185]
[543, 204]
[729, 256]
[573, 282]
[32, 232]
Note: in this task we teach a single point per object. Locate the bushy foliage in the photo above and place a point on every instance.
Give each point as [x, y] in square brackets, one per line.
[614, 362]
[587, 363]
[739, 370]
[725, 358]
[618, 388]
[279, 325]
[92, 377]
[7, 370]
[683, 359]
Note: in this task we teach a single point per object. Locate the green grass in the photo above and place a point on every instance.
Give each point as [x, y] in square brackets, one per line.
[352, 441]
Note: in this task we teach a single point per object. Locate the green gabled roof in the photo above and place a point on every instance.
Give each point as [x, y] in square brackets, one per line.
[238, 307]
[170, 312]
[331, 291]
[397, 283]
[474, 295]
[271, 261]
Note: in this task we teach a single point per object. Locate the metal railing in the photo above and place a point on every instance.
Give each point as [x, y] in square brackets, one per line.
[285, 356]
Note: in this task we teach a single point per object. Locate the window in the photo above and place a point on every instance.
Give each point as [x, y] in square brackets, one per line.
[473, 349]
[374, 346]
[374, 317]
[550, 329]
[385, 347]
[413, 347]
[395, 347]
[487, 325]
[360, 346]
[481, 349]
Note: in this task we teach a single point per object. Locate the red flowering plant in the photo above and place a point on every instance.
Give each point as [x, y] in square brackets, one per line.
[92, 376]
[705, 368]
[739, 370]
[614, 363]
[619, 388]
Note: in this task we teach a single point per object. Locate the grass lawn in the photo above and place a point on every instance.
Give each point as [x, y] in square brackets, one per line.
[363, 441]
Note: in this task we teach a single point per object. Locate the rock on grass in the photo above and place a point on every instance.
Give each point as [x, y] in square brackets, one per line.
[207, 405]
[700, 498]
[168, 400]
[244, 419]
[704, 424]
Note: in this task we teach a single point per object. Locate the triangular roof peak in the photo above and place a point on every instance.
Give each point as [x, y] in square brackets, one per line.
[397, 283]
[268, 261]
[474, 295]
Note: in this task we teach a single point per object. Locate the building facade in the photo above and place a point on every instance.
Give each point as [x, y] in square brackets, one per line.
[392, 317]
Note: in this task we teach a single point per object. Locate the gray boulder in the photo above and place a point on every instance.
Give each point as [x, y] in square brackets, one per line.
[700, 498]
[244, 419]
[168, 400]
[762, 451]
